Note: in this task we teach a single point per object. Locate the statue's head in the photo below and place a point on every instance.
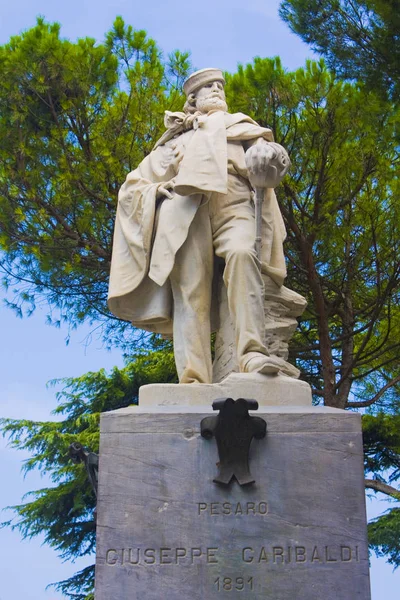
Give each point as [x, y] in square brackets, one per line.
[205, 91]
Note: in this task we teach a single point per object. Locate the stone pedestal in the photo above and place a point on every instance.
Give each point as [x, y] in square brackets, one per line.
[267, 390]
[166, 530]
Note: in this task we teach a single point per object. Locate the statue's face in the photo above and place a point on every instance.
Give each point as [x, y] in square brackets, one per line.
[211, 97]
[211, 90]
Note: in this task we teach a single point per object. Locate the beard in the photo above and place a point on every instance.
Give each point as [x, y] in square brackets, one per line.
[212, 102]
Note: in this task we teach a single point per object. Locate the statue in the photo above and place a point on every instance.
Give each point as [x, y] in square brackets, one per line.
[189, 203]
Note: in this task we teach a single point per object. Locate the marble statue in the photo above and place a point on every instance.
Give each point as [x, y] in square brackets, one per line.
[189, 204]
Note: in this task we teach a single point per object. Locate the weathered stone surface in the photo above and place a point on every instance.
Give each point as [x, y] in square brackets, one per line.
[189, 203]
[165, 530]
[268, 390]
[282, 306]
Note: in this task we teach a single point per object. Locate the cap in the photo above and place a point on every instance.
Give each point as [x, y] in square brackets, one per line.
[201, 78]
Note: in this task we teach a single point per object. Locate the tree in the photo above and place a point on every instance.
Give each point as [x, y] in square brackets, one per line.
[341, 212]
[382, 458]
[340, 208]
[64, 513]
[74, 119]
[358, 38]
[339, 205]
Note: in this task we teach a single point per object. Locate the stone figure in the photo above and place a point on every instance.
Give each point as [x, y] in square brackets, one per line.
[188, 204]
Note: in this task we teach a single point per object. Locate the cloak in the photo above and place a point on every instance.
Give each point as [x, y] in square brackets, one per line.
[148, 235]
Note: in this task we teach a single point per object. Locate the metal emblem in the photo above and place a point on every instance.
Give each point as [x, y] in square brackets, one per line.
[234, 430]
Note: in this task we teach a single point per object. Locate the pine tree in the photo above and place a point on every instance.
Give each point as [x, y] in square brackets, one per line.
[358, 38]
[64, 512]
[75, 117]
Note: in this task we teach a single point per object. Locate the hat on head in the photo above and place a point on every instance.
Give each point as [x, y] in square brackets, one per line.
[200, 78]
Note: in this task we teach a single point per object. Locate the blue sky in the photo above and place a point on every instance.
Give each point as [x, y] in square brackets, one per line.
[219, 33]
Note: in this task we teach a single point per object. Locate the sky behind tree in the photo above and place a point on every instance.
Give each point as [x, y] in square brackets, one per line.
[218, 33]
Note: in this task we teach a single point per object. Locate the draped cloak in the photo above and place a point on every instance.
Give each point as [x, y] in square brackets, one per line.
[148, 235]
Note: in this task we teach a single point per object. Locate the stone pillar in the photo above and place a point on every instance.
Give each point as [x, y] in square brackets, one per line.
[166, 530]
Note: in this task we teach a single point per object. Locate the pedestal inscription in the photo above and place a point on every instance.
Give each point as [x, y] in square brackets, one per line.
[166, 530]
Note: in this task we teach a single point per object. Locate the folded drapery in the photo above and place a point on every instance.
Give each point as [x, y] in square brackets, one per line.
[147, 238]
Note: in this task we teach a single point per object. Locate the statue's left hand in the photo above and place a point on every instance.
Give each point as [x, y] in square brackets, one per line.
[267, 163]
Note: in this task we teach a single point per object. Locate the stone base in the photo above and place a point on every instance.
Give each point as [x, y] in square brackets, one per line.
[268, 390]
[166, 530]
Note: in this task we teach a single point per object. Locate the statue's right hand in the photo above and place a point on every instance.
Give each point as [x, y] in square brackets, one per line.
[172, 157]
[163, 190]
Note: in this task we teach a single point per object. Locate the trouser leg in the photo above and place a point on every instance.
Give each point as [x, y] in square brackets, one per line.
[191, 282]
[245, 299]
[233, 227]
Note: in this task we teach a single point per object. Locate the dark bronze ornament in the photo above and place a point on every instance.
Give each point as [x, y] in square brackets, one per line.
[234, 429]
[79, 454]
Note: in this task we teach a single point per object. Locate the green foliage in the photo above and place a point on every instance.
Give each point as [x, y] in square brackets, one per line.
[384, 535]
[80, 586]
[381, 433]
[64, 513]
[75, 118]
[341, 212]
[358, 38]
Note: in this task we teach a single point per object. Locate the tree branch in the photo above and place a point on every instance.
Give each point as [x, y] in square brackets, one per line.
[384, 488]
[375, 398]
